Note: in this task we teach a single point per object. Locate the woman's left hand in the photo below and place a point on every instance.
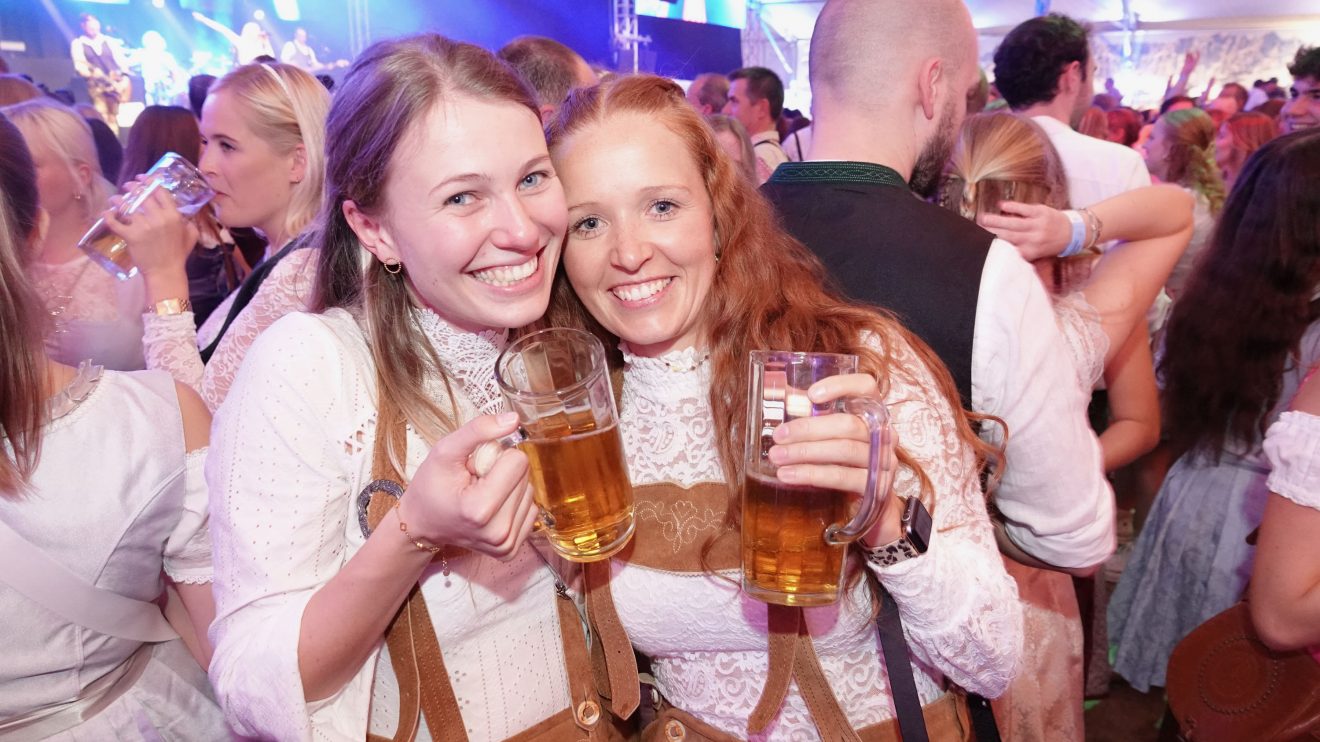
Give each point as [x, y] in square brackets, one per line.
[833, 451]
[1036, 230]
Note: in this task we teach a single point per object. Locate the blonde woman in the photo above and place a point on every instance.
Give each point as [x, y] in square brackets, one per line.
[263, 133]
[1181, 151]
[732, 138]
[94, 316]
[1006, 174]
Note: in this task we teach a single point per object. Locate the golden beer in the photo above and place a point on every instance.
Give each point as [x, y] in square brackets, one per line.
[581, 481]
[108, 249]
[785, 557]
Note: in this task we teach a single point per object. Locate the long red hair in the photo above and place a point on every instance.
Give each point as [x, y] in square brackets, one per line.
[769, 291]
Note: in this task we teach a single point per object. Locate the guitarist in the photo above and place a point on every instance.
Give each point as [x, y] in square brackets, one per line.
[100, 61]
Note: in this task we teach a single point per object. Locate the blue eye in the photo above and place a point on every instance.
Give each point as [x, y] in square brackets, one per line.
[459, 199]
[532, 180]
[586, 225]
[664, 208]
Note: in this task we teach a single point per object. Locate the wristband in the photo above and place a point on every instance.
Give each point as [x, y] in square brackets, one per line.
[1078, 241]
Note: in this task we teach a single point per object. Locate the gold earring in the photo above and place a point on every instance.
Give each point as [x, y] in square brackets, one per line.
[394, 268]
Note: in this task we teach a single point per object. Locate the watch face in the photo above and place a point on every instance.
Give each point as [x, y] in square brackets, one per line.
[917, 524]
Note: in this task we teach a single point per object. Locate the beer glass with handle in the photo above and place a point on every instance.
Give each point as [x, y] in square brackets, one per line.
[173, 173]
[795, 537]
[558, 383]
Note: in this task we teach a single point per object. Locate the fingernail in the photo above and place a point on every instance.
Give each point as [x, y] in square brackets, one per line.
[776, 454]
[507, 418]
[781, 434]
[787, 474]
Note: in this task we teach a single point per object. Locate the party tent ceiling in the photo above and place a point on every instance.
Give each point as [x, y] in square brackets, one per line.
[794, 18]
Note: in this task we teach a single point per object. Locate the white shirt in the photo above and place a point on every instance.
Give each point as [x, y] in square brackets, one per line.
[707, 641]
[1057, 504]
[798, 144]
[768, 152]
[1096, 169]
[291, 449]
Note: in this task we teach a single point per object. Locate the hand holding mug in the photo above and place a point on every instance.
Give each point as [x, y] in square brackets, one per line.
[834, 451]
[446, 504]
[159, 238]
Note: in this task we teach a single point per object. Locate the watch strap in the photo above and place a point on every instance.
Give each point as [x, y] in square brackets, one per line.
[172, 306]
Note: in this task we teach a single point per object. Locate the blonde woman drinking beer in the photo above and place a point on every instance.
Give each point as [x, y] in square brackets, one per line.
[672, 256]
[368, 582]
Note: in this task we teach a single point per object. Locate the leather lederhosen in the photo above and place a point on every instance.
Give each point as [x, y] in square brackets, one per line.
[673, 526]
[426, 695]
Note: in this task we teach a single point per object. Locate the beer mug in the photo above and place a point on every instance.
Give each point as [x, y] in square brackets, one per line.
[795, 537]
[558, 383]
[176, 176]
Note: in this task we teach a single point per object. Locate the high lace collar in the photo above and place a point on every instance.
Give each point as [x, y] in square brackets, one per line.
[469, 358]
[685, 372]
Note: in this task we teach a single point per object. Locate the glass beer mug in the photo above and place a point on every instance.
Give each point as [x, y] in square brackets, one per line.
[176, 176]
[795, 537]
[558, 383]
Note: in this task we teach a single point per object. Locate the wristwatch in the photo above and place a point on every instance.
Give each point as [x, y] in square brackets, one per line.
[166, 307]
[914, 541]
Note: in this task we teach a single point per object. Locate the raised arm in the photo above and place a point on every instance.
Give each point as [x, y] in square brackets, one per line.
[1154, 226]
[218, 27]
[1285, 581]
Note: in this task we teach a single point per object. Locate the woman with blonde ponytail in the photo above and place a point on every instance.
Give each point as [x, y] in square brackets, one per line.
[1006, 175]
[348, 518]
[1181, 151]
[263, 134]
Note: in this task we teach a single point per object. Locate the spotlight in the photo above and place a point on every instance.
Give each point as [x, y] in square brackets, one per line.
[258, 15]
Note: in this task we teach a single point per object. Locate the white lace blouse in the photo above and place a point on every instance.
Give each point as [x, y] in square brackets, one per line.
[1084, 335]
[291, 450]
[94, 316]
[173, 342]
[1292, 446]
[708, 642]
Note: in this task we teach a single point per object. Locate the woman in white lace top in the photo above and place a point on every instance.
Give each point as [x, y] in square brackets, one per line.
[1006, 174]
[444, 225]
[679, 261]
[94, 316]
[263, 133]
[87, 529]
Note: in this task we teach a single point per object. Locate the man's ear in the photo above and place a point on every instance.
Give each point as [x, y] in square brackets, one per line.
[1071, 78]
[931, 74]
[371, 232]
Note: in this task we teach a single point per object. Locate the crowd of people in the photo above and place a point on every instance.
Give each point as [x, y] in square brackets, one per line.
[1040, 310]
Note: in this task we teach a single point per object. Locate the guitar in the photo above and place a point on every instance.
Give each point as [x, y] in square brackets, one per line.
[101, 84]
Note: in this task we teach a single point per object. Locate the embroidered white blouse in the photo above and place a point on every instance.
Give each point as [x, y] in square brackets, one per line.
[290, 452]
[707, 641]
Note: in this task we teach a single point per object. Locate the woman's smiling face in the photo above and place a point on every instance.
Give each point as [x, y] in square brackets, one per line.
[640, 252]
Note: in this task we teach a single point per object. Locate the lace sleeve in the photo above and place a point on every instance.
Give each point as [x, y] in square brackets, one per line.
[285, 290]
[1079, 324]
[170, 344]
[1292, 446]
[960, 608]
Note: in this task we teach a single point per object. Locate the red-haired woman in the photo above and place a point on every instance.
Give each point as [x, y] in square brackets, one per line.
[1240, 339]
[1239, 136]
[678, 260]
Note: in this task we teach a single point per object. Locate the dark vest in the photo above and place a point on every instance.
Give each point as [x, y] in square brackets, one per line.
[886, 247]
[105, 60]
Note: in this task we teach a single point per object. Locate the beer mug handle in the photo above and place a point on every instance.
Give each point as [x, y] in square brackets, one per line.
[876, 417]
[484, 458]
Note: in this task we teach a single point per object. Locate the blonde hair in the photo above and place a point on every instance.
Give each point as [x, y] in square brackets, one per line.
[1191, 159]
[1005, 157]
[720, 122]
[61, 130]
[285, 107]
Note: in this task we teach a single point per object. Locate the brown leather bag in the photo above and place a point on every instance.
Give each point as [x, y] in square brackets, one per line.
[1224, 685]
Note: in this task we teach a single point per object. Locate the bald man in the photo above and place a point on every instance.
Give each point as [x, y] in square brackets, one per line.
[890, 82]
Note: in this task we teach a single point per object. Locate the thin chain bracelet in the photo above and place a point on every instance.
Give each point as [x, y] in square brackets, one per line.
[422, 545]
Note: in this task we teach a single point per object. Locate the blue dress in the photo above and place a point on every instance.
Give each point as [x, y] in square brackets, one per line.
[1191, 560]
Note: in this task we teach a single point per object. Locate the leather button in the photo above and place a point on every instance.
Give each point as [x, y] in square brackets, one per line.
[588, 713]
[675, 731]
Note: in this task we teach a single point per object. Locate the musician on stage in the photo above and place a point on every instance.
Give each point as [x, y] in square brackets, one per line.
[99, 59]
[299, 53]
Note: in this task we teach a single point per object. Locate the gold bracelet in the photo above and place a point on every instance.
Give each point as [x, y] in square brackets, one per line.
[1097, 227]
[420, 544]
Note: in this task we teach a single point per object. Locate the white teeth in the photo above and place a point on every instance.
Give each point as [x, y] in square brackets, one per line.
[640, 291]
[507, 275]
